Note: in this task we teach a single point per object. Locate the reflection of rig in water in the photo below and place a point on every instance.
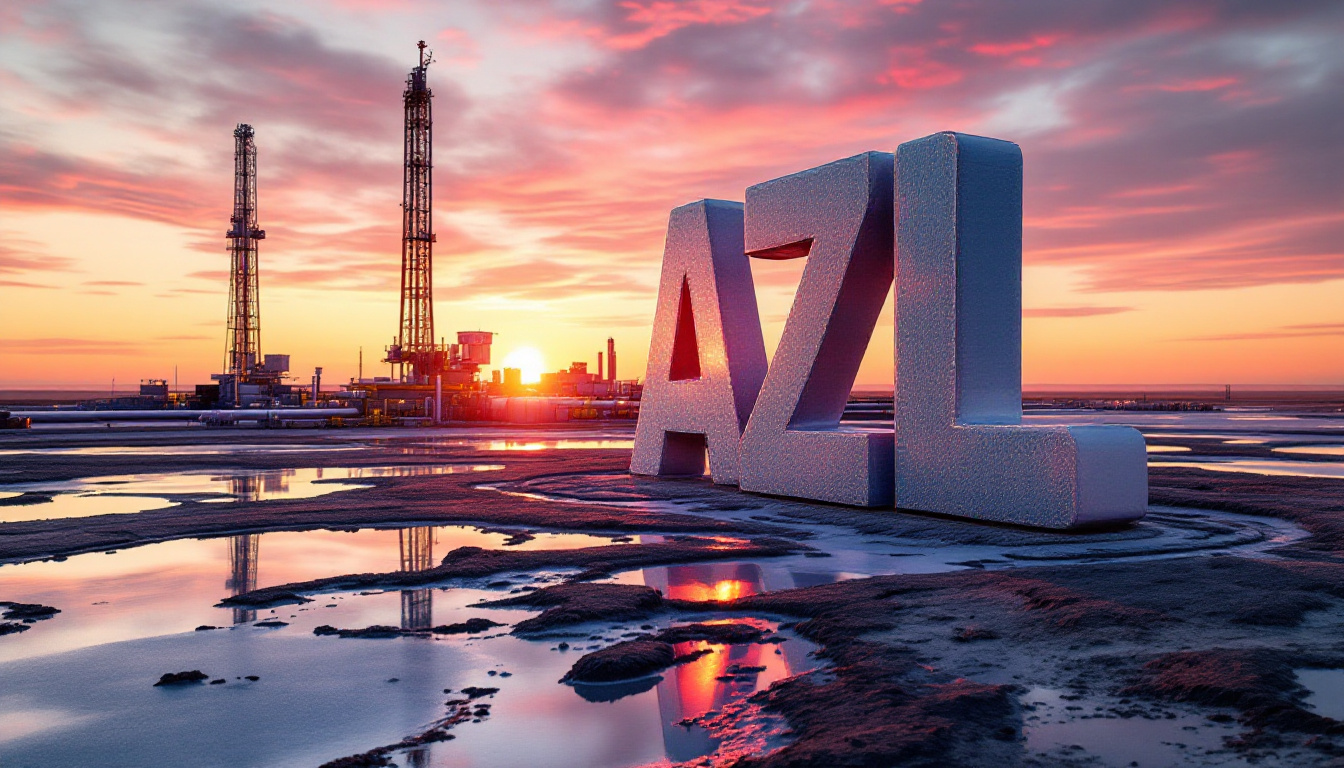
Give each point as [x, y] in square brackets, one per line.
[243, 571]
[262, 485]
[417, 554]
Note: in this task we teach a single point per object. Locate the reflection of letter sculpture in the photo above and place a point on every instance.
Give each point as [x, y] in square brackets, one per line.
[961, 449]
[707, 357]
[839, 217]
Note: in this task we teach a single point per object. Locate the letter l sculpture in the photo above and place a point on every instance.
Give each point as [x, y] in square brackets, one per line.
[960, 446]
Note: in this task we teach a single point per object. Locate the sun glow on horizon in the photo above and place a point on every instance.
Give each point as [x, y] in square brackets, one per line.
[528, 360]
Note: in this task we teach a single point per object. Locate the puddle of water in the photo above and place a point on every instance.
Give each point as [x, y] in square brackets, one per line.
[539, 445]
[433, 448]
[1224, 421]
[1282, 467]
[80, 683]
[1313, 450]
[1077, 728]
[1252, 441]
[1167, 448]
[172, 586]
[1326, 686]
[17, 720]
[67, 505]
[116, 494]
[220, 449]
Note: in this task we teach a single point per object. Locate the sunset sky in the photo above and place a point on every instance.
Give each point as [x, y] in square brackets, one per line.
[1184, 214]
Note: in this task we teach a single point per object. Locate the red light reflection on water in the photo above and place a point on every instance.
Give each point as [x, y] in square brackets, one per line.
[707, 684]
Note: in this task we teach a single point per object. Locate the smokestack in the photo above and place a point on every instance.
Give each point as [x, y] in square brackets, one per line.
[600, 370]
[611, 359]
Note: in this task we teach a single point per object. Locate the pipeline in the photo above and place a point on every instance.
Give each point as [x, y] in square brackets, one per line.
[213, 416]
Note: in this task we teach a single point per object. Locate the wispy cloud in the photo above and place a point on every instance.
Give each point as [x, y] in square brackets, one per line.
[1285, 332]
[1081, 311]
[70, 346]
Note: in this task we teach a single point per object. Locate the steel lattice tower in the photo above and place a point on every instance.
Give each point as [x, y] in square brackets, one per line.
[416, 338]
[244, 341]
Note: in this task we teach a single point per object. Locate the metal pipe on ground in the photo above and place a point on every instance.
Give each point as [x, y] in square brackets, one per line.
[242, 414]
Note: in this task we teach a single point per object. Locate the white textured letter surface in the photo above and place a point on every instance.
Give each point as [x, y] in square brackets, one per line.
[707, 358]
[839, 217]
[960, 446]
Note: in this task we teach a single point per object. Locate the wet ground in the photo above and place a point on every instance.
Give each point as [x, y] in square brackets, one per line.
[81, 683]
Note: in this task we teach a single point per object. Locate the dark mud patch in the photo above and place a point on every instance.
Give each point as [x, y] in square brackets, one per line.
[382, 631]
[880, 707]
[182, 678]
[1259, 682]
[469, 627]
[650, 654]
[27, 499]
[27, 612]
[623, 661]
[12, 628]
[477, 563]
[566, 605]
[459, 711]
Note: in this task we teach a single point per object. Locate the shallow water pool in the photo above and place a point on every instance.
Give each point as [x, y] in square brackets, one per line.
[1326, 691]
[118, 494]
[81, 682]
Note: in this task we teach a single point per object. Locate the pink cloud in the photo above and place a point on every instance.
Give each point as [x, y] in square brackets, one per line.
[1148, 181]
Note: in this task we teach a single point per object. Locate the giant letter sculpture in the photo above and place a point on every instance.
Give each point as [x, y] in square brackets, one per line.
[960, 446]
[839, 217]
[707, 358]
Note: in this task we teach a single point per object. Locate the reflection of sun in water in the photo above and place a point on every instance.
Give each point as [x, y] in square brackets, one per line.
[529, 361]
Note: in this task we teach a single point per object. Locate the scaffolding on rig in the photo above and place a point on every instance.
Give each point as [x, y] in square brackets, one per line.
[415, 348]
[244, 339]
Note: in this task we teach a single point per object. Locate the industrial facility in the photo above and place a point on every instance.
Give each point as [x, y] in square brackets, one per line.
[430, 381]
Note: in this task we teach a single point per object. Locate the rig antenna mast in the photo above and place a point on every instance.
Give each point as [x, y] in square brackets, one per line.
[244, 342]
[415, 345]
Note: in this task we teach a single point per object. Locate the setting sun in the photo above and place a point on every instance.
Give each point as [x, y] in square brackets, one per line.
[529, 361]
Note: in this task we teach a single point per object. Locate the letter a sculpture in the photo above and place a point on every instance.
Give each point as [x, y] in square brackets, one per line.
[707, 359]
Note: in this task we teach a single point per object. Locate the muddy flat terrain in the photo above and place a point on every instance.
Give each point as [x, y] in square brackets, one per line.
[386, 579]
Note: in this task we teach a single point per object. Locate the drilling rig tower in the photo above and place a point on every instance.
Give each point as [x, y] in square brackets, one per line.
[424, 371]
[415, 355]
[244, 312]
[247, 376]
